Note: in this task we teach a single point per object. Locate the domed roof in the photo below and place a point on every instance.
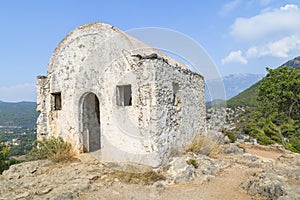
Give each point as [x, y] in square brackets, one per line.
[112, 35]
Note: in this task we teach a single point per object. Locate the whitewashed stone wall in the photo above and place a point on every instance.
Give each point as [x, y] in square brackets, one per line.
[168, 104]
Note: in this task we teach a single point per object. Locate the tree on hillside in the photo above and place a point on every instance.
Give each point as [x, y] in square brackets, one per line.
[277, 119]
[280, 91]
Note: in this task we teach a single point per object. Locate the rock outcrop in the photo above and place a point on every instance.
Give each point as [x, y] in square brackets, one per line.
[259, 172]
[281, 181]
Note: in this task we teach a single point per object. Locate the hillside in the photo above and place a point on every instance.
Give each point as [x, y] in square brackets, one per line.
[22, 114]
[248, 97]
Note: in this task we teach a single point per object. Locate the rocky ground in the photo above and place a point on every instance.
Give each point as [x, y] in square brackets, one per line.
[236, 171]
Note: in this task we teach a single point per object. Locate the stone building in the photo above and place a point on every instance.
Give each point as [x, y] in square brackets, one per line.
[109, 93]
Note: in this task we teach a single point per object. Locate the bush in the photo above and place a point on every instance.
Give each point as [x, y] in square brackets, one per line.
[5, 161]
[54, 149]
[293, 145]
[230, 135]
[263, 139]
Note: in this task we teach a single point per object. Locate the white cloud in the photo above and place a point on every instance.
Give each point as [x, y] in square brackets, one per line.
[279, 48]
[276, 22]
[289, 7]
[229, 7]
[252, 52]
[282, 47]
[273, 32]
[16, 93]
[235, 56]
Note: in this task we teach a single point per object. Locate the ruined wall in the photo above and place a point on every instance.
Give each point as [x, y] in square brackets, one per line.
[178, 110]
[182, 108]
[167, 100]
[42, 93]
[168, 111]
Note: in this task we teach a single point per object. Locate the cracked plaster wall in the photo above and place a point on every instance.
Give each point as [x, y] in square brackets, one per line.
[94, 59]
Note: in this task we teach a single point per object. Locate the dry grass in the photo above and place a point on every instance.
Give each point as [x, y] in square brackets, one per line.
[241, 145]
[215, 150]
[145, 178]
[54, 149]
[204, 145]
[196, 144]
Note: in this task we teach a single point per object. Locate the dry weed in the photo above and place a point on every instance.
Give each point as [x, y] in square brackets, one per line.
[204, 145]
[54, 149]
[138, 178]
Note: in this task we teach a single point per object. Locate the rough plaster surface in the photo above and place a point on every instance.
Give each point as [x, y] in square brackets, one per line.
[168, 104]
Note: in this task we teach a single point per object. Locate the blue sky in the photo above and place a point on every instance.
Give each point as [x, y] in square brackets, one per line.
[241, 36]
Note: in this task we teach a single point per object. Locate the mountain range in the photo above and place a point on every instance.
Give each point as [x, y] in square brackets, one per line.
[21, 114]
[248, 97]
[233, 84]
[236, 83]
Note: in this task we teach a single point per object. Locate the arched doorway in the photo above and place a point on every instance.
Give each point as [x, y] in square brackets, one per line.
[91, 123]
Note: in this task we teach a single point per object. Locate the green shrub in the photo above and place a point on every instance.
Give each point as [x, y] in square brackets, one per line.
[247, 140]
[192, 162]
[294, 144]
[249, 127]
[230, 135]
[54, 149]
[5, 161]
[263, 139]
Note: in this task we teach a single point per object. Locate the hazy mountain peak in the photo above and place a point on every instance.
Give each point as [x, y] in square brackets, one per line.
[293, 63]
[236, 83]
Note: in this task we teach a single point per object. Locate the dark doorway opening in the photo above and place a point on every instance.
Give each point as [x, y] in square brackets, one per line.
[91, 123]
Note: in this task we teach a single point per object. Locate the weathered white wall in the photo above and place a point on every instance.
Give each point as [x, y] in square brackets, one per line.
[177, 116]
[94, 59]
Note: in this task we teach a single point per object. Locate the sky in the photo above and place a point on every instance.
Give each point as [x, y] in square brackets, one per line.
[240, 36]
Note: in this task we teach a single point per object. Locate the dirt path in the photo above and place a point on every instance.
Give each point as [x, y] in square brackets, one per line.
[265, 154]
[225, 186]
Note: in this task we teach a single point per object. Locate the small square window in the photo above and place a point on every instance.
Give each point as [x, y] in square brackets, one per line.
[124, 96]
[56, 101]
